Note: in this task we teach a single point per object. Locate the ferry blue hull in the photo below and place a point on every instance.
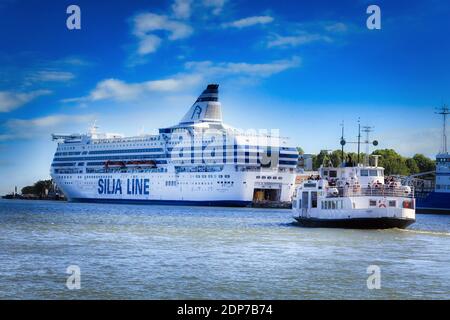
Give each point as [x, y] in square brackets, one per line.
[219, 203]
[435, 203]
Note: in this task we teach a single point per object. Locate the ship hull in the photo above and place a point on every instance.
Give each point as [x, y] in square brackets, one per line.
[215, 203]
[227, 188]
[434, 203]
[355, 223]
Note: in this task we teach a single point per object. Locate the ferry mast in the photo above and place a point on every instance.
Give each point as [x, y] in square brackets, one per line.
[367, 130]
[367, 142]
[444, 111]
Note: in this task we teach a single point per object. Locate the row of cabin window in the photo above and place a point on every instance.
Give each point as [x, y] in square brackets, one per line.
[364, 173]
[264, 177]
[371, 173]
[332, 204]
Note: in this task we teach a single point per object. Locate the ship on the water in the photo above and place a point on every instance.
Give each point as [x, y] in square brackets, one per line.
[438, 200]
[353, 196]
[199, 161]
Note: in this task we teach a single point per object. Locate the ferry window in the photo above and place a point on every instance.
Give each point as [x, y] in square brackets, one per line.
[299, 203]
[364, 173]
[314, 199]
[333, 173]
[305, 199]
[257, 177]
[309, 185]
[373, 203]
[373, 173]
[333, 204]
[325, 173]
[392, 203]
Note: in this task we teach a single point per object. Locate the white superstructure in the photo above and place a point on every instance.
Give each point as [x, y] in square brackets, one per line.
[353, 196]
[200, 161]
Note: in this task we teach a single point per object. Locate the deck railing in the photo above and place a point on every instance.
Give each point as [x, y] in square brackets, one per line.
[384, 191]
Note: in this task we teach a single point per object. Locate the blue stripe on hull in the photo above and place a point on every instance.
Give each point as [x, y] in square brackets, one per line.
[215, 203]
[435, 202]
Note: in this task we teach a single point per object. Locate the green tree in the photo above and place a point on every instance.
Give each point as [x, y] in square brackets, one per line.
[300, 150]
[424, 164]
[392, 162]
[412, 166]
[28, 190]
[336, 157]
[321, 158]
[42, 186]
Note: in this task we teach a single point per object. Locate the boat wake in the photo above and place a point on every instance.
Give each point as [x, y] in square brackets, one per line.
[434, 233]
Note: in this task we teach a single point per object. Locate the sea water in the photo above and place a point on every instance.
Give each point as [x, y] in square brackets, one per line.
[176, 252]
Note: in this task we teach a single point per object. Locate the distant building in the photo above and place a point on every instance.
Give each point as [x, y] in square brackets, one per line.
[305, 162]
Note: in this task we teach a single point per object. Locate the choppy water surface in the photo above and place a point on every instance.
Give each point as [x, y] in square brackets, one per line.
[165, 252]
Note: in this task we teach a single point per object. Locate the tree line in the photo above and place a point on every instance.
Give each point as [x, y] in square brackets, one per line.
[393, 163]
[39, 188]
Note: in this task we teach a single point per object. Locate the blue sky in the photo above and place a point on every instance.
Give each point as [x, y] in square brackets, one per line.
[299, 66]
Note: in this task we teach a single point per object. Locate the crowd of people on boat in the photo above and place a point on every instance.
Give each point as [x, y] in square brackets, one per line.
[352, 186]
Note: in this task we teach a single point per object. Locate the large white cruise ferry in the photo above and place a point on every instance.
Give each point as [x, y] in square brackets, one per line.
[200, 161]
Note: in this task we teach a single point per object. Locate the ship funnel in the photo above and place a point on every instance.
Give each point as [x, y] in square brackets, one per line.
[206, 108]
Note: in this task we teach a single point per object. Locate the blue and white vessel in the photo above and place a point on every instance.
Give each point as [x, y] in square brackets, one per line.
[199, 161]
[438, 200]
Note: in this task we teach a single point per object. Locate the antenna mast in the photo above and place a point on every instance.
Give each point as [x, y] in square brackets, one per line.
[342, 143]
[444, 111]
[367, 130]
[359, 138]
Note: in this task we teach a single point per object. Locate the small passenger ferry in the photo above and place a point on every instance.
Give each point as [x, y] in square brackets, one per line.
[353, 196]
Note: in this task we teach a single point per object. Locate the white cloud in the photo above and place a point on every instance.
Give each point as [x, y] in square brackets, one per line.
[182, 8]
[292, 41]
[115, 89]
[31, 128]
[310, 32]
[216, 5]
[146, 23]
[148, 44]
[72, 61]
[249, 21]
[337, 27]
[242, 68]
[196, 72]
[51, 76]
[47, 121]
[10, 100]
